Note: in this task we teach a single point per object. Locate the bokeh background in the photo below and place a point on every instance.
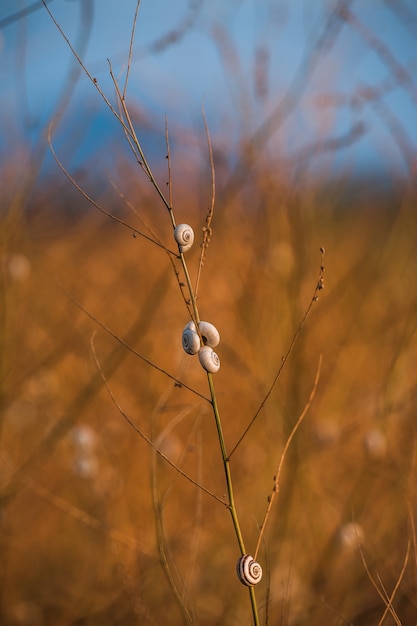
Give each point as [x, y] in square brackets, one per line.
[312, 114]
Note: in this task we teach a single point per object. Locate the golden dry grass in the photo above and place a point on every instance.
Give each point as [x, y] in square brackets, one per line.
[78, 542]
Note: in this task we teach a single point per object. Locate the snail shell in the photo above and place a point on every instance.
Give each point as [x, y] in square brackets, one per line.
[249, 571]
[190, 339]
[209, 359]
[209, 333]
[184, 236]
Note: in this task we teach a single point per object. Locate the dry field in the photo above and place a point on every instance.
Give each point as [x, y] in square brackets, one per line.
[98, 529]
[116, 505]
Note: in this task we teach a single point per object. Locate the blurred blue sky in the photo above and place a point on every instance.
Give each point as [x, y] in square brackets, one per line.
[351, 102]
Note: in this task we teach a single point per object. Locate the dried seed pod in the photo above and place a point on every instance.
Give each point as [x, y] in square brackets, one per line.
[209, 359]
[190, 339]
[209, 333]
[249, 571]
[184, 236]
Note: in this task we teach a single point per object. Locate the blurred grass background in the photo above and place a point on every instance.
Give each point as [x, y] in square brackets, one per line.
[92, 522]
[78, 542]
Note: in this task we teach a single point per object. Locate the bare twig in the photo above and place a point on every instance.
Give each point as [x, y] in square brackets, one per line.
[169, 183]
[72, 180]
[143, 162]
[276, 484]
[132, 350]
[89, 76]
[132, 37]
[40, 453]
[380, 588]
[142, 434]
[207, 232]
[319, 287]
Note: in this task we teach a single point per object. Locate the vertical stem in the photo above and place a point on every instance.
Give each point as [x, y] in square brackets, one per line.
[226, 465]
[225, 457]
[254, 606]
[229, 484]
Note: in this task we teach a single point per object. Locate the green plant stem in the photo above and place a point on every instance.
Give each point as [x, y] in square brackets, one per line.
[229, 484]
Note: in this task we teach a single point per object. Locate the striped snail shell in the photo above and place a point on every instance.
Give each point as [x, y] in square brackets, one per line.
[184, 236]
[209, 333]
[190, 339]
[209, 359]
[249, 571]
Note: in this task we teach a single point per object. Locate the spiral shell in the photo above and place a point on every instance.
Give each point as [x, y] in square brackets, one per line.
[184, 236]
[209, 359]
[249, 571]
[209, 333]
[190, 339]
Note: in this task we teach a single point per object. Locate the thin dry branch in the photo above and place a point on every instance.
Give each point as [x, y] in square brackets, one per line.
[123, 117]
[169, 183]
[93, 202]
[135, 144]
[142, 434]
[154, 237]
[41, 451]
[126, 134]
[115, 336]
[132, 38]
[315, 297]
[207, 231]
[380, 588]
[152, 233]
[79, 60]
[276, 484]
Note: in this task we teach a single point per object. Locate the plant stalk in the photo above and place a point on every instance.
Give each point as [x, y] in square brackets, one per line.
[229, 484]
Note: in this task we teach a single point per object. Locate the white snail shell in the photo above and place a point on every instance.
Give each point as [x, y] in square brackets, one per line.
[190, 339]
[249, 571]
[209, 359]
[184, 236]
[209, 333]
